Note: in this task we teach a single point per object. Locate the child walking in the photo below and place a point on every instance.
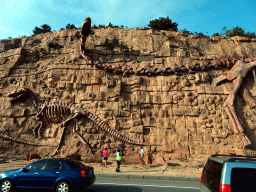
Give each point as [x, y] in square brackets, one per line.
[105, 154]
[118, 159]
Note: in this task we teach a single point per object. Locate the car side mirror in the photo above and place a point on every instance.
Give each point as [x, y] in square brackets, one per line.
[24, 170]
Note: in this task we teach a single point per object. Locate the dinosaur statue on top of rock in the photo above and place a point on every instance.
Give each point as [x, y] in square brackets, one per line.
[239, 69]
[85, 31]
[63, 113]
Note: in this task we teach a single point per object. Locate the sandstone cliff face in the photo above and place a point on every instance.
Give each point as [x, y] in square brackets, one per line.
[179, 116]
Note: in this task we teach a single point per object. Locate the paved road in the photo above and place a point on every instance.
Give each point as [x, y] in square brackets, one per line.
[141, 185]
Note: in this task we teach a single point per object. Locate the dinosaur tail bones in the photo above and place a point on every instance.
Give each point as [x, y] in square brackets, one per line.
[100, 124]
[6, 137]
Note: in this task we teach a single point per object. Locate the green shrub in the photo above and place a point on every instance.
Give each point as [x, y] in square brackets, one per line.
[215, 34]
[72, 26]
[101, 26]
[237, 31]
[186, 31]
[44, 29]
[201, 35]
[163, 24]
[94, 27]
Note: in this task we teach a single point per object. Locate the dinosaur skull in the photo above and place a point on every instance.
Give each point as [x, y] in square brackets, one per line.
[18, 94]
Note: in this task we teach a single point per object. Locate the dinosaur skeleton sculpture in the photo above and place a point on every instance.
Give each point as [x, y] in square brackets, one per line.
[239, 69]
[63, 113]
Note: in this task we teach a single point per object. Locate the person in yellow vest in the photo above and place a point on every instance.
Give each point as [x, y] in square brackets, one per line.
[118, 159]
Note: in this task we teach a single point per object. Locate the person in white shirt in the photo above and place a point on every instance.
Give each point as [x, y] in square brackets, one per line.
[142, 152]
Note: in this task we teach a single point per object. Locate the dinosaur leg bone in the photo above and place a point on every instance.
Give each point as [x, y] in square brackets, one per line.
[37, 130]
[218, 79]
[73, 116]
[229, 106]
[43, 108]
[80, 138]
[230, 110]
[60, 142]
[250, 101]
[75, 127]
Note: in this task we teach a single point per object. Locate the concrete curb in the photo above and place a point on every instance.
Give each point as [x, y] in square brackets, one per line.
[147, 177]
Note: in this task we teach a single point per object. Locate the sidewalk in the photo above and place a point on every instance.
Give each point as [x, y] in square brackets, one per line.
[182, 171]
[177, 172]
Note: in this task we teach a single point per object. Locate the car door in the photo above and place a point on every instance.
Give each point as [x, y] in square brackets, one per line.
[51, 172]
[31, 177]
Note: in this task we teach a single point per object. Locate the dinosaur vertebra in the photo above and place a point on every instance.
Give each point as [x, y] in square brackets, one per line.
[64, 113]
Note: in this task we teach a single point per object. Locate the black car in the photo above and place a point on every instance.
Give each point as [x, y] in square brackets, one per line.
[60, 174]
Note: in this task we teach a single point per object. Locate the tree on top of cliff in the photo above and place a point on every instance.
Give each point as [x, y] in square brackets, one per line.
[237, 31]
[44, 29]
[72, 26]
[163, 24]
[111, 25]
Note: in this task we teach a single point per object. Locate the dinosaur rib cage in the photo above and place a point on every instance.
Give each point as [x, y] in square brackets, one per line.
[57, 111]
[100, 124]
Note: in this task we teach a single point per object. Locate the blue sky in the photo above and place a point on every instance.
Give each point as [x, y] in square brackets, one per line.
[20, 17]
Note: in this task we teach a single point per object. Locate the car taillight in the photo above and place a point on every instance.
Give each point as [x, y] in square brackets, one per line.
[83, 173]
[224, 188]
[201, 179]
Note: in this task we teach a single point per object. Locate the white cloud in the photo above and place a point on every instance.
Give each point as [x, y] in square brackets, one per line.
[3, 29]
[9, 4]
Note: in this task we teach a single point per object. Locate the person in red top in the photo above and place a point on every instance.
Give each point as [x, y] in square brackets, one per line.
[105, 154]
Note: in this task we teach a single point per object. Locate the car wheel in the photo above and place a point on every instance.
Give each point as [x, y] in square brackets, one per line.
[62, 186]
[6, 185]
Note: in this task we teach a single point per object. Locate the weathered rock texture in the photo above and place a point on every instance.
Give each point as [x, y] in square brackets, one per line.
[184, 114]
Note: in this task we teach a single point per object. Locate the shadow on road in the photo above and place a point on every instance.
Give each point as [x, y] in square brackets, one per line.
[112, 188]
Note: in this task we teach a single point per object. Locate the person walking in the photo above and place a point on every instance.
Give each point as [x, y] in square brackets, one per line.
[142, 152]
[118, 159]
[105, 154]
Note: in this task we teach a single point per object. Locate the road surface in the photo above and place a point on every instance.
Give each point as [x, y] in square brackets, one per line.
[105, 184]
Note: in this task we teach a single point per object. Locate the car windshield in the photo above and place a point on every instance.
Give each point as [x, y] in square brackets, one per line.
[75, 164]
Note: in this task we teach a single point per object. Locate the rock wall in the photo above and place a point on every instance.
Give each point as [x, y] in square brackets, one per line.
[178, 115]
